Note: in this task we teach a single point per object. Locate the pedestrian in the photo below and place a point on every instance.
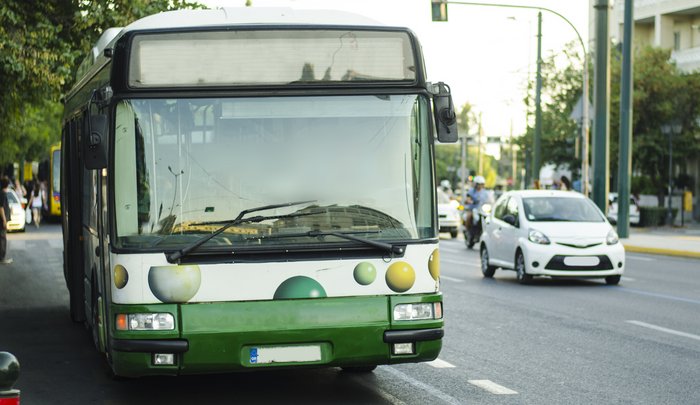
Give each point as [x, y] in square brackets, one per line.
[36, 202]
[4, 219]
[565, 184]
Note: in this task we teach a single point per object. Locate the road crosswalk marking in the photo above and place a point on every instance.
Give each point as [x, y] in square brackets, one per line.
[492, 387]
[437, 363]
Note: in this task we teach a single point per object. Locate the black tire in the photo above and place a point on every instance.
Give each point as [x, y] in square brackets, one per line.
[612, 280]
[486, 269]
[521, 274]
[359, 369]
[453, 234]
[471, 240]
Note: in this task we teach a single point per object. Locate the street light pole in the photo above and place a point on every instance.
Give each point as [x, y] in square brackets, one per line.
[669, 218]
[674, 128]
[585, 126]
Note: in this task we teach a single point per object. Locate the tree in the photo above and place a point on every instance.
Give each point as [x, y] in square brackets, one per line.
[662, 93]
[41, 44]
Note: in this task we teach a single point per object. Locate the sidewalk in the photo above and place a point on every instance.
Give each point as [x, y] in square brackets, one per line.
[672, 241]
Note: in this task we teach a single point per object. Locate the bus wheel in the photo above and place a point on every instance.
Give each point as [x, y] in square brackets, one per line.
[359, 369]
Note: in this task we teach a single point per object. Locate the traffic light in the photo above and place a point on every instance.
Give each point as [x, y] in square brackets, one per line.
[439, 8]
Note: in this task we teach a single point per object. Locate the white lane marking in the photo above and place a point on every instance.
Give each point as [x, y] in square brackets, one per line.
[429, 388]
[437, 363]
[644, 259]
[457, 280]
[459, 262]
[657, 295]
[492, 387]
[662, 329]
[628, 279]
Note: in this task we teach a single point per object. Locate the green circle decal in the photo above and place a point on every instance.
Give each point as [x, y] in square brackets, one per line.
[365, 273]
[299, 287]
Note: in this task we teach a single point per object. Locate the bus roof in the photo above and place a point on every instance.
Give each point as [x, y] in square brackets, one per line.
[248, 16]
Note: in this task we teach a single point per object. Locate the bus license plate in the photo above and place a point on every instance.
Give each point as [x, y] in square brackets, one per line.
[285, 354]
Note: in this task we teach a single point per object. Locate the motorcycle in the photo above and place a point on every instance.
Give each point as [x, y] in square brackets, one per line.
[474, 224]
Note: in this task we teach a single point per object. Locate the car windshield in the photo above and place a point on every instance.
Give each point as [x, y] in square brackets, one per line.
[185, 166]
[551, 209]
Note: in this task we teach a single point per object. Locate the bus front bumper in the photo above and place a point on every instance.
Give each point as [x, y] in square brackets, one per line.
[244, 336]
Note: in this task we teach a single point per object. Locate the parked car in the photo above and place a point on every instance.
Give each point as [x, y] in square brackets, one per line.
[17, 215]
[550, 233]
[448, 214]
[612, 209]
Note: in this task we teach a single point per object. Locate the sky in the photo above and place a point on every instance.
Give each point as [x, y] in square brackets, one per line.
[485, 54]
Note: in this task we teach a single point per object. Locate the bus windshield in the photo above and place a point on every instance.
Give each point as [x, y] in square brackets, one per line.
[360, 163]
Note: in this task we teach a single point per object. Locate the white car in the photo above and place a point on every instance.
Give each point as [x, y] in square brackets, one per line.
[17, 215]
[448, 214]
[550, 233]
[612, 210]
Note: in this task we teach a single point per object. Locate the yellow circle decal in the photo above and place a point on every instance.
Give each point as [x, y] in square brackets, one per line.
[400, 276]
[434, 264]
[121, 276]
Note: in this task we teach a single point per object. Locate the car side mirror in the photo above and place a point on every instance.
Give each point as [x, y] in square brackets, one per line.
[444, 113]
[510, 219]
[95, 143]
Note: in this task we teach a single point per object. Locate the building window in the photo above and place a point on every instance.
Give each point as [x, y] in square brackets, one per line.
[676, 41]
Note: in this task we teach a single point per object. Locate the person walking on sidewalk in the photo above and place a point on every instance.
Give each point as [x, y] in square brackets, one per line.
[4, 219]
[36, 202]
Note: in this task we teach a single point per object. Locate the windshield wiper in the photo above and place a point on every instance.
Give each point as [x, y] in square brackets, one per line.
[178, 254]
[348, 235]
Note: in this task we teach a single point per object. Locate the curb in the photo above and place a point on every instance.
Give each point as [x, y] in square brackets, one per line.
[661, 251]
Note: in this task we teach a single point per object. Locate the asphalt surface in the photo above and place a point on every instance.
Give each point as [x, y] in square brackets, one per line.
[555, 341]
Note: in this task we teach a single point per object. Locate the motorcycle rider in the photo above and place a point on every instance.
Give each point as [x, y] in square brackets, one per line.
[476, 197]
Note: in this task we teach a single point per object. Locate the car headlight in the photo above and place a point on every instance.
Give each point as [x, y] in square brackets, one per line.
[612, 237]
[537, 237]
[418, 311]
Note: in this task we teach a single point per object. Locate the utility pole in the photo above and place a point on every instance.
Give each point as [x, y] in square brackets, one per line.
[537, 144]
[480, 159]
[625, 163]
[601, 94]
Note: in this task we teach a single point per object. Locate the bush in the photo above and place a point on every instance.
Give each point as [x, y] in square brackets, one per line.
[654, 216]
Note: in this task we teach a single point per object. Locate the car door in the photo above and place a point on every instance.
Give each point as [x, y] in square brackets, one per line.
[495, 231]
[510, 231]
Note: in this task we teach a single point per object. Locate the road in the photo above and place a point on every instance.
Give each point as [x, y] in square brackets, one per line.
[555, 341]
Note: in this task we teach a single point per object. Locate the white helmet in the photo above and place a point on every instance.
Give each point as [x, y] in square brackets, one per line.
[479, 180]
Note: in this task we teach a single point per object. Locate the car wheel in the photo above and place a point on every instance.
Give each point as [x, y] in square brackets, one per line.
[453, 234]
[486, 269]
[523, 277]
[612, 280]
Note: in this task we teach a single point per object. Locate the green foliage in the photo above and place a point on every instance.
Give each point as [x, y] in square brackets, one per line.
[41, 45]
[654, 216]
[662, 94]
[448, 156]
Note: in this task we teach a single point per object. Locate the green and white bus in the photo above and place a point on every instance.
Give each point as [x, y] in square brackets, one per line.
[254, 188]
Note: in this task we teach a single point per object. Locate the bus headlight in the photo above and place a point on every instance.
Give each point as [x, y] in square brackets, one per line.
[157, 321]
[418, 311]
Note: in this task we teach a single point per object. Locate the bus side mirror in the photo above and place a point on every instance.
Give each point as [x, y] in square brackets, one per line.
[95, 143]
[444, 113]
